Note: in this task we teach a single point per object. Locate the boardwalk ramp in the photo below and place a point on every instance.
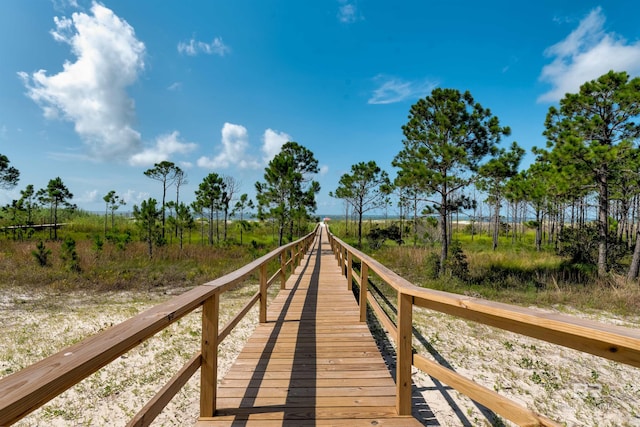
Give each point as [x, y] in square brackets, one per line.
[313, 363]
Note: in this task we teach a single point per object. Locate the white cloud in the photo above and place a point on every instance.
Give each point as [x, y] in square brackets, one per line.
[585, 54]
[165, 146]
[87, 197]
[348, 12]
[324, 169]
[235, 149]
[272, 141]
[392, 89]
[133, 197]
[195, 47]
[235, 145]
[91, 92]
[175, 86]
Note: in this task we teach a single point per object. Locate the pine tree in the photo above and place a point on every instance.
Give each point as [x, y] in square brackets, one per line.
[288, 192]
[364, 189]
[447, 136]
[592, 135]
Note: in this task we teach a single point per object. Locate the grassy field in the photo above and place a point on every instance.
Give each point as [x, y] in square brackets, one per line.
[118, 260]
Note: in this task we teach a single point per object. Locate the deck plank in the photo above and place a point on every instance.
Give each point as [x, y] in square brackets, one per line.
[313, 363]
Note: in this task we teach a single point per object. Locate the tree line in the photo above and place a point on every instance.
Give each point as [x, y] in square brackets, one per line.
[286, 197]
[450, 150]
[54, 197]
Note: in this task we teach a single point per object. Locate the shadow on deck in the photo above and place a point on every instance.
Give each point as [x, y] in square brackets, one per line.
[313, 363]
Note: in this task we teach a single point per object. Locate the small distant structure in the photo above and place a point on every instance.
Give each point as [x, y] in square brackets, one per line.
[326, 219]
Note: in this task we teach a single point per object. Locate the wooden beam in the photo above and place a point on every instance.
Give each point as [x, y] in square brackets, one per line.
[263, 293]
[272, 279]
[349, 270]
[233, 322]
[283, 269]
[404, 358]
[387, 323]
[364, 290]
[611, 342]
[209, 368]
[30, 388]
[486, 397]
[154, 407]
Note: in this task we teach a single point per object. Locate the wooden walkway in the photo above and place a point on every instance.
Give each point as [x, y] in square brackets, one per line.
[313, 363]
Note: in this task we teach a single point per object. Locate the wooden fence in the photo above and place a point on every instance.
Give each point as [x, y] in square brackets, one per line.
[611, 342]
[32, 387]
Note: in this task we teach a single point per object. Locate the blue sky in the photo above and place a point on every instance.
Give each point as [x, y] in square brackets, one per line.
[96, 93]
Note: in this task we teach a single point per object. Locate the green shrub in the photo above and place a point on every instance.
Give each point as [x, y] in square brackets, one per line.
[120, 239]
[432, 266]
[41, 254]
[98, 243]
[377, 236]
[69, 255]
[456, 263]
[581, 245]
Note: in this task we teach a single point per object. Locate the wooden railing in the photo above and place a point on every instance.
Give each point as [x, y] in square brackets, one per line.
[30, 388]
[611, 342]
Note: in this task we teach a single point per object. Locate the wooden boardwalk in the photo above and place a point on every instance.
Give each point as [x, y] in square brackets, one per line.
[313, 363]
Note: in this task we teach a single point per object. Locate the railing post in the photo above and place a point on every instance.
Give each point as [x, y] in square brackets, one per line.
[364, 288]
[283, 269]
[209, 350]
[349, 270]
[263, 293]
[344, 262]
[404, 356]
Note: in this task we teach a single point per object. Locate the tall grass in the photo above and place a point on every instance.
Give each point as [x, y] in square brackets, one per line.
[117, 269]
[118, 260]
[515, 273]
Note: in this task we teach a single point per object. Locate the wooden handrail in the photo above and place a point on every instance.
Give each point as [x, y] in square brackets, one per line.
[608, 341]
[30, 388]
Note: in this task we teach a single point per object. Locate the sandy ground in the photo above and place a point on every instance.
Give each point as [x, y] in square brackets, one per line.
[34, 327]
[566, 385]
